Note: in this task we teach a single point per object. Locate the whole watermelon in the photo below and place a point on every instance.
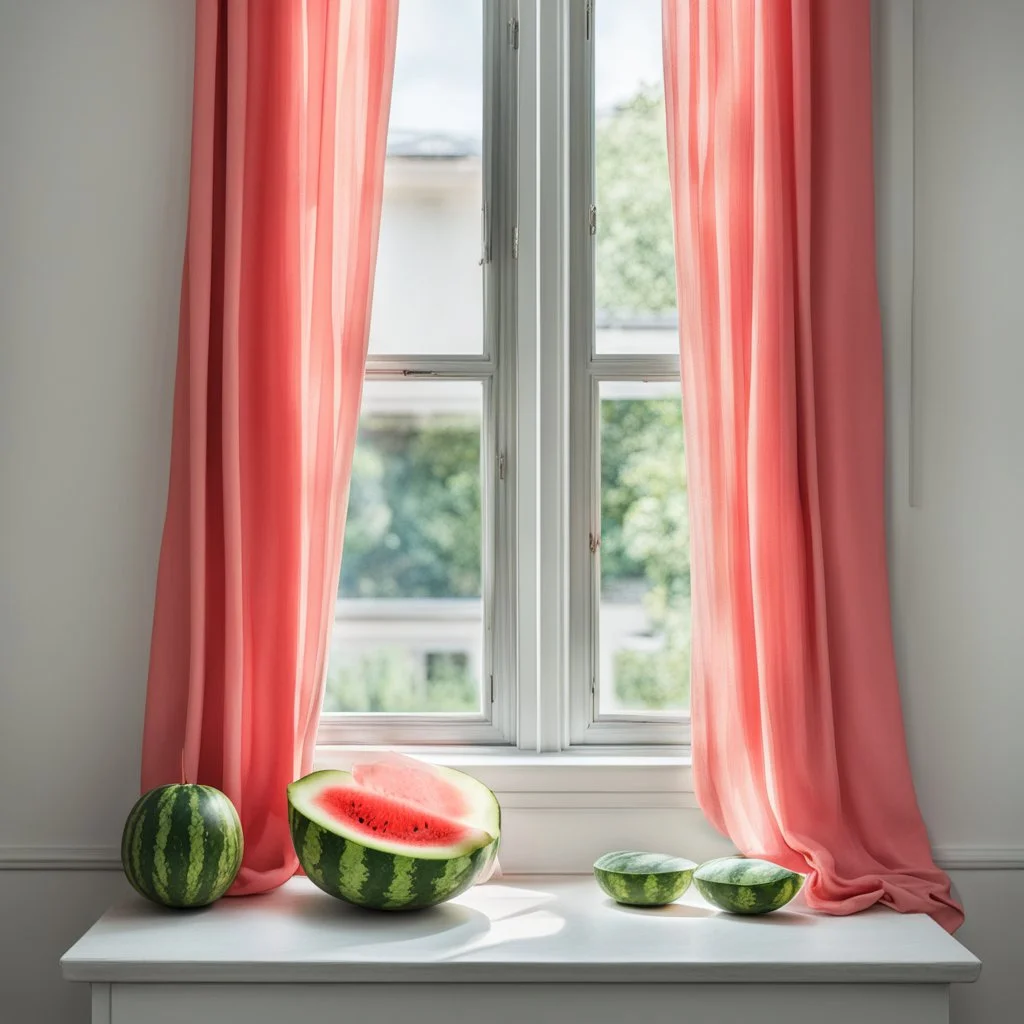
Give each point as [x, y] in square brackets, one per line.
[182, 845]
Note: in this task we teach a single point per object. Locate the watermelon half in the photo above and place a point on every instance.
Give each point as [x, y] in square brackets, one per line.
[639, 879]
[746, 885]
[394, 835]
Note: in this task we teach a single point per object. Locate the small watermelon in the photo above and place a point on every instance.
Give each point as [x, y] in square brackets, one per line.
[742, 885]
[394, 835]
[643, 879]
[182, 845]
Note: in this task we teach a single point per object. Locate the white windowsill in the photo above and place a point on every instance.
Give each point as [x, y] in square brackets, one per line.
[652, 771]
[517, 930]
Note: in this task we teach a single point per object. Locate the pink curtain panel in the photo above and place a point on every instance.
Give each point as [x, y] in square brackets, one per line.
[799, 748]
[288, 144]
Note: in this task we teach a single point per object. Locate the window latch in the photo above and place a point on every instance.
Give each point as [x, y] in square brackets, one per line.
[485, 236]
[595, 543]
[592, 219]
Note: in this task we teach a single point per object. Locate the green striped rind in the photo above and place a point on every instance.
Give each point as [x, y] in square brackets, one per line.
[182, 845]
[640, 879]
[746, 886]
[372, 878]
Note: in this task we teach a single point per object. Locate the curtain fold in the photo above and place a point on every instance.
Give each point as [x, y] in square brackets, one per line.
[290, 116]
[798, 741]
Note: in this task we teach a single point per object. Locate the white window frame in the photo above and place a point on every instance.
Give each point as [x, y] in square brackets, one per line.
[541, 500]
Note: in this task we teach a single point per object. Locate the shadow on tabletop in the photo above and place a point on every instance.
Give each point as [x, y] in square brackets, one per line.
[668, 910]
[314, 907]
[320, 908]
[777, 919]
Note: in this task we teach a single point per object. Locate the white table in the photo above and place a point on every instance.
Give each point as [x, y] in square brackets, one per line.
[534, 949]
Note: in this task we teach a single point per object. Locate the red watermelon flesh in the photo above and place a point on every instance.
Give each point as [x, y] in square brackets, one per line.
[384, 818]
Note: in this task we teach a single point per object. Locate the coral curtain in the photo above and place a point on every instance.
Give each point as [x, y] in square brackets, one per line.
[290, 117]
[798, 742]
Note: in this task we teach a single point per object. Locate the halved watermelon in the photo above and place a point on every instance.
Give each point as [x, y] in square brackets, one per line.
[746, 885]
[394, 834]
[639, 879]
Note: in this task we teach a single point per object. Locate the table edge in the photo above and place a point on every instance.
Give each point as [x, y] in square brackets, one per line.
[496, 972]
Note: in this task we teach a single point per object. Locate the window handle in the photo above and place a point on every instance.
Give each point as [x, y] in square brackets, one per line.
[485, 236]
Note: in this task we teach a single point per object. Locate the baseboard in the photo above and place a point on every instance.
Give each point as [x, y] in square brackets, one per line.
[980, 858]
[108, 858]
[60, 858]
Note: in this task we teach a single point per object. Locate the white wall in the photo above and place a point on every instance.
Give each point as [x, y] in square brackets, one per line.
[43, 913]
[960, 553]
[94, 112]
[95, 104]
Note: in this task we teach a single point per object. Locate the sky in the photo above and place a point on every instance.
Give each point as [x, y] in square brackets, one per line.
[439, 65]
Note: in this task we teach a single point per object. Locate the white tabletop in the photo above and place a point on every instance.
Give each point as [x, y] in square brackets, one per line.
[530, 929]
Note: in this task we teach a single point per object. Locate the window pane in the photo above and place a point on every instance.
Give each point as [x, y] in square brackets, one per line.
[644, 656]
[408, 634]
[428, 292]
[635, 287]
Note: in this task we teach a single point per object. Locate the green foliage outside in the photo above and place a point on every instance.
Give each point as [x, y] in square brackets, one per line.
[413, 531]
[414, 525]
[644, 519]
[414, 522]
[634, 262]
[389, 679]
[645, 537]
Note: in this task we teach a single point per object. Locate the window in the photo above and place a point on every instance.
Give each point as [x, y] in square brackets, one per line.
[516, 566]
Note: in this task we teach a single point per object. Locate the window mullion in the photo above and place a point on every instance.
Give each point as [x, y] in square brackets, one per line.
[585, 484]
[542, 374]
[527, 437]
[555, 214]
[501, 192]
